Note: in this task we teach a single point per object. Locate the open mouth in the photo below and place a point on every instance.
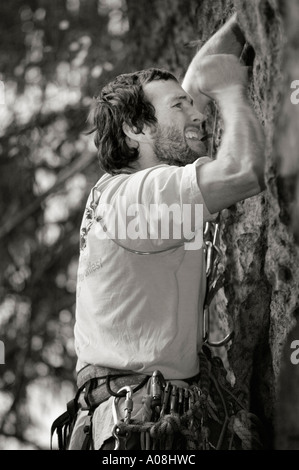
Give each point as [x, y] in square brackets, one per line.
[193, 135]
[197, 134]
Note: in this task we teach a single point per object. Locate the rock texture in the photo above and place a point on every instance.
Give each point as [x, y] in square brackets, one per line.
[258, 236]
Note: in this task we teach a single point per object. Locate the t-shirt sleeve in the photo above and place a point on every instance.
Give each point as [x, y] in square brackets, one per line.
[159, 207]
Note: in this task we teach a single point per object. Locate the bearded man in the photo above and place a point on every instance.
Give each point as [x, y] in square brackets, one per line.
[140, 293]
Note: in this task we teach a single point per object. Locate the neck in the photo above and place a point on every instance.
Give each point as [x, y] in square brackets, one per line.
[147, 158]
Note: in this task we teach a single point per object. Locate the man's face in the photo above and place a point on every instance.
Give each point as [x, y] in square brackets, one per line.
[180, 127]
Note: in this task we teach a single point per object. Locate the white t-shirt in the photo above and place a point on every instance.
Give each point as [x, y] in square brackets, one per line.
[135, 311]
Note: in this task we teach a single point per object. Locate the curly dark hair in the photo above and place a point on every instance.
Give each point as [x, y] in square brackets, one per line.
[123, 101]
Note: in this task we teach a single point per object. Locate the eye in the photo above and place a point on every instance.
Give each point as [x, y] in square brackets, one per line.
[177, 105]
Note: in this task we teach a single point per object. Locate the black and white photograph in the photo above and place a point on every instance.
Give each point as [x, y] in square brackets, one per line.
[149, 228]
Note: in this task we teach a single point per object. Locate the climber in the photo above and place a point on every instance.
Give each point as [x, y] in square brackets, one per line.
[140, 299]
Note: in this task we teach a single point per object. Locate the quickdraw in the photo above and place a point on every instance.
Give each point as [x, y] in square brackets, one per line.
[214, 279]
[207, 415]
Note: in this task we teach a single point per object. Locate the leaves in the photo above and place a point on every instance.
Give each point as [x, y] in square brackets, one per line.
[56, 54]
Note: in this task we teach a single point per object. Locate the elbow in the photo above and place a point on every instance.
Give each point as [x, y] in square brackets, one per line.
[258, 172]
[260, 177]
[254, 179]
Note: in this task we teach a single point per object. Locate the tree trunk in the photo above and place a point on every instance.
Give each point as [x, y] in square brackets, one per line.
[258, 236]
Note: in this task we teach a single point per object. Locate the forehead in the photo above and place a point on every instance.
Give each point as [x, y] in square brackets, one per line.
[163, 91]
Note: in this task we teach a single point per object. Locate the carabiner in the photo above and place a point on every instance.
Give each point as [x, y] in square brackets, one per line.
[209, 256]
[206, 332]
[121, 440]
[216, 232]
[128, 402]
[117, 420]
[157, 384]
[166, 396]
[207, 228]
[173, 399]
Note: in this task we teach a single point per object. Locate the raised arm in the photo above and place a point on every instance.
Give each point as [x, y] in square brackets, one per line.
[238, 170]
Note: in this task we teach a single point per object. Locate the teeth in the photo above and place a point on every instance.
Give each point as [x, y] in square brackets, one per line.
[192, 135]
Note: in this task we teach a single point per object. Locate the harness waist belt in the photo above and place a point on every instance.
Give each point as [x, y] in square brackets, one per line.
[98, 372]
[96, 391]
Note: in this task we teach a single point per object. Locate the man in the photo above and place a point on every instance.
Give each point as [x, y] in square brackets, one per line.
[140, 298]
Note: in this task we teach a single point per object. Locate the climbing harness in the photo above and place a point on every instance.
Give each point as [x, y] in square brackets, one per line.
[94, 387]
[206, 415]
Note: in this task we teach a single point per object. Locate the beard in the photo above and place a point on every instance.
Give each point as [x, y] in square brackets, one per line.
[170, 147]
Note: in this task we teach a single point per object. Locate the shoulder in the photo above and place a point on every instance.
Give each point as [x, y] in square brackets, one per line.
[158, 184]
[161, 170]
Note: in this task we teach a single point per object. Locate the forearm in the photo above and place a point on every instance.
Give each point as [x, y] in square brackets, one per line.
[242, 147]
[237, 173]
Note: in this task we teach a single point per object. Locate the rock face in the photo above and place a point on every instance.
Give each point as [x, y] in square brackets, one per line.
[286, 153]
[259, 237]
[262, 260]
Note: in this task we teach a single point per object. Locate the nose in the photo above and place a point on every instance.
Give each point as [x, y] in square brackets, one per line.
[197, 117]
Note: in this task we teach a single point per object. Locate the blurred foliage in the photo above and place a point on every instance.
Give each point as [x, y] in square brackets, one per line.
[55, 55]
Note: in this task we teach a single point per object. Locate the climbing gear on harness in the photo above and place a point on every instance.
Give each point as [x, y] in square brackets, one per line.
[64, 424]
[94, 387]
[121, 439]
[119, 393]
[166, 396]
[156, 385]
[206, 416]
[214, 279]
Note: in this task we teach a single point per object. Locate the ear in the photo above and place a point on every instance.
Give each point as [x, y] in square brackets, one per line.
[130, 131]
[135, 136]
